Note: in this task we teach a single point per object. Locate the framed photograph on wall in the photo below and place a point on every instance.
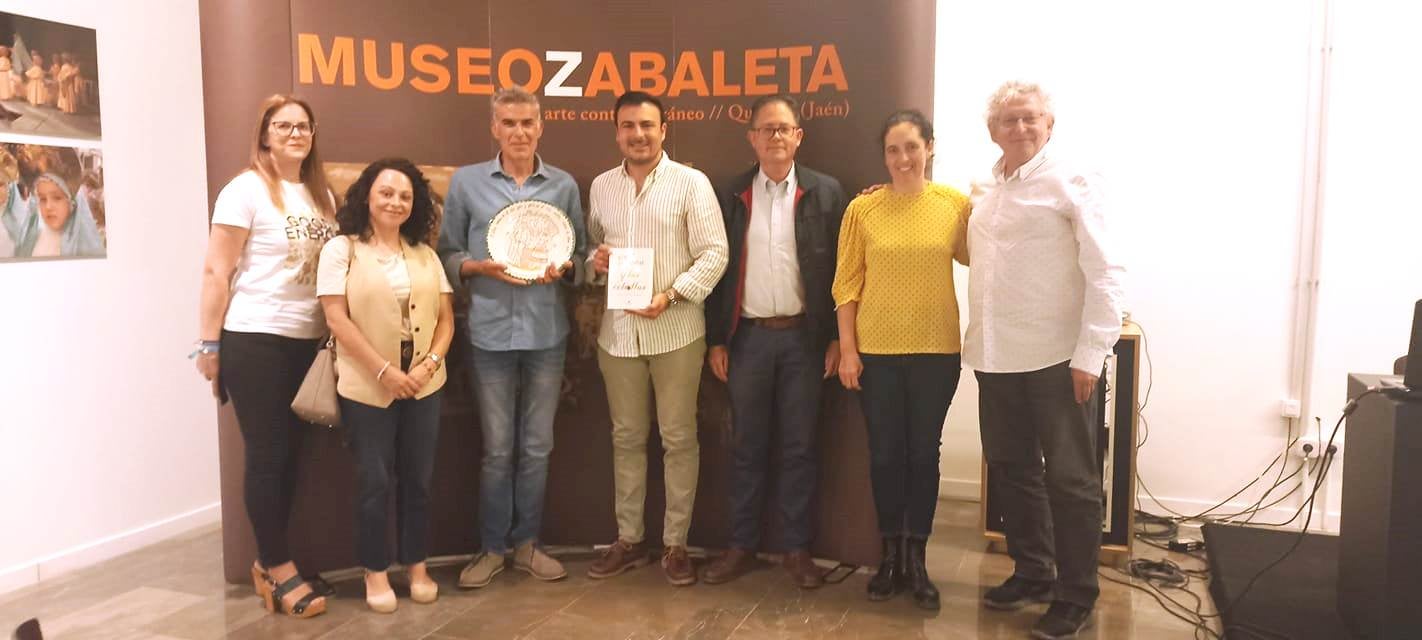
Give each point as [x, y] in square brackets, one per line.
[51, 158]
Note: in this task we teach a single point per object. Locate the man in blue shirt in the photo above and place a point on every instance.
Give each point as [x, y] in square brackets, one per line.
[519, 331]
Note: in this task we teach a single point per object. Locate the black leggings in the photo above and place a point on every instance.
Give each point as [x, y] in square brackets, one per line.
[261, 373]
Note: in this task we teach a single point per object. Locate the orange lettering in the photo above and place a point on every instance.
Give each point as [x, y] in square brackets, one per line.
[827, 70]
[688, 76]
[718, 76]
[647, 67]
[755, 70]
[371, 60]
[535, 69]
[796, 55]
[468, 71]
[604, 77]
[342, 58]
[439, 76]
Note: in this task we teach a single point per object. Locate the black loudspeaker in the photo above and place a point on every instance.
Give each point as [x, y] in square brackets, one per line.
[1380, 535]
[1412, 375]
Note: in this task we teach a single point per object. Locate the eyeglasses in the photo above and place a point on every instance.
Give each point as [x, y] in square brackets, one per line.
[1012, 122]
[283, 128]
[769, 132]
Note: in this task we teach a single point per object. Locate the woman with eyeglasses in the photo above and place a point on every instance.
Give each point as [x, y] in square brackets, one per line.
[261, 325]
[899, 342]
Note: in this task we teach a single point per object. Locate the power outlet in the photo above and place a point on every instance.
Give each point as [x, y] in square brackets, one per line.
[1289, 408]
[1309, 448]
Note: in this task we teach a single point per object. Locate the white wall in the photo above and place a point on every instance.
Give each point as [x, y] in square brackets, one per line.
[1371, 264]
[107, 435]
[1197, 112]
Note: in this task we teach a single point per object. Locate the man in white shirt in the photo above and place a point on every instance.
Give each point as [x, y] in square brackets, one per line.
[652, 202]
[1044, 306]
[772, 335]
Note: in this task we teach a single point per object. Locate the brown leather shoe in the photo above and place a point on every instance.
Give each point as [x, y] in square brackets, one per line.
[802, 570]
[677, 566]
[620, 557]
[728, 567]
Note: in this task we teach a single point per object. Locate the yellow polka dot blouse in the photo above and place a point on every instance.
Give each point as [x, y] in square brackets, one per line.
[896, 256]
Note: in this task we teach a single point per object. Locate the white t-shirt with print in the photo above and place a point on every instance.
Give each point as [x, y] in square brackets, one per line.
[274, 290]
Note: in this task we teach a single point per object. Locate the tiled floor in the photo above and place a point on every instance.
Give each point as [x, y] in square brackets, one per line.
[174, 590]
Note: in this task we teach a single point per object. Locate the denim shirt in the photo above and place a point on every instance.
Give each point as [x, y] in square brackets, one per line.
[502, 316]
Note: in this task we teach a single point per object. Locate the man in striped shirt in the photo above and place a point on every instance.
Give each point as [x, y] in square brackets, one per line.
[650, 201]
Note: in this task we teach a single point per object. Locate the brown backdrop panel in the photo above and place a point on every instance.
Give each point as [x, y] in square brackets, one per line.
[581, 147]
[245, 58]
[887, 65]
[250, 50]
[363, 123]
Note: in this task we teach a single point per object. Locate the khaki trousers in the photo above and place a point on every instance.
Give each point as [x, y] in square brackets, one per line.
[676, 378]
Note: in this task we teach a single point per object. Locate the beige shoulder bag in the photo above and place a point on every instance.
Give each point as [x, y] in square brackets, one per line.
[315, 401]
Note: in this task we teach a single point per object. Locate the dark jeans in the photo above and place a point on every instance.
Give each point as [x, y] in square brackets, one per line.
[905, 400]
[774, 383]
[261, 373]
[393, 445]
[1040, 446]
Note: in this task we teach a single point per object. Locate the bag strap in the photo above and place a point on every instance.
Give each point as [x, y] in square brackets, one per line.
[350, 255]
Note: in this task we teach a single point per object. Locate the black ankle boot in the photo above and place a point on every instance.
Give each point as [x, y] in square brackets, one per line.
[888, 579]
[925, 595]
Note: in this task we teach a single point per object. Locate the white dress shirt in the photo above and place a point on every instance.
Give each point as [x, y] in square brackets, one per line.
[773, 287]
[677, 216]
[1044, 285]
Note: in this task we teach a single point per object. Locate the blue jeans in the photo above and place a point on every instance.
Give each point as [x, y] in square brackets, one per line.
[518, 394]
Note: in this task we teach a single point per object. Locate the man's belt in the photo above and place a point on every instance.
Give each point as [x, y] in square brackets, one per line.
[778, 322]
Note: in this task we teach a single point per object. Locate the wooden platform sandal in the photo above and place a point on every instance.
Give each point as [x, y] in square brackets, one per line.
[307, 607]
[319, 586]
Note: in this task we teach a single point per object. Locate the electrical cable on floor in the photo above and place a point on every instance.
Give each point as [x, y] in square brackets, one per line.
[1186, 614]
[830, 576]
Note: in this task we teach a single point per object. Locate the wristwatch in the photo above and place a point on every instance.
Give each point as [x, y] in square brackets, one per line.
[434, 357]
[672, 296]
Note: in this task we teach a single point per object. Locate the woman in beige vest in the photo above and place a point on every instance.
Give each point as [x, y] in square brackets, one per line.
[390, 309]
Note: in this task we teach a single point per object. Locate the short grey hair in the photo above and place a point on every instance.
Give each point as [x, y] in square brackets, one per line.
[512, 95]
[1015, 90]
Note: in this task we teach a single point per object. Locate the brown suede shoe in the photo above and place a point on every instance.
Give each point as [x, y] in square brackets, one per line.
[728, 567]
[620, 556]
[803, 571]
[677, 566]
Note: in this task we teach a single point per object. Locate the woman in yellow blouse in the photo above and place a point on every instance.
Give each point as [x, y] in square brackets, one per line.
[900, 343]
